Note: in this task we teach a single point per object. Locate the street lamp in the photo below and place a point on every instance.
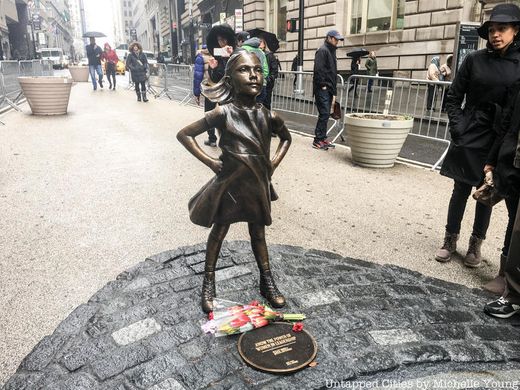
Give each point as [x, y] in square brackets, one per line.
[299, 77]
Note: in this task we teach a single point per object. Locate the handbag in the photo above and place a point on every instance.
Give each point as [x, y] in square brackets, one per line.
[336, 111]
[487, 193]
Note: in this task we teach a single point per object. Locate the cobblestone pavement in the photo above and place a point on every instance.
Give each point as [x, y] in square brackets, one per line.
[142, 331]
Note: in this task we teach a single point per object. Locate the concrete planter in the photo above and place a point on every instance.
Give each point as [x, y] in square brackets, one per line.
[79, 73]
[376, 139]
[47, 95]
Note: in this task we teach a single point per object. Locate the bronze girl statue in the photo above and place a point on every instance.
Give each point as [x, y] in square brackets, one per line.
[241, 190]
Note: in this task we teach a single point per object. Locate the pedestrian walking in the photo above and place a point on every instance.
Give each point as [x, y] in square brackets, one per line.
[110, 57]
[482, 82]
[294, 68]
[445, 71]
[201, 74]
[355, 65]
[433, 74]
[241, 191]
[94, 53]
[324, 86]
[221, 42]
[371, 65]
[273, 71]
[137, 63]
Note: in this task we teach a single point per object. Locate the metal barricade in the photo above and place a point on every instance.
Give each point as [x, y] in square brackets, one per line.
[178, 83]
[422, 99]
[157, 80]
[26, 68]
[289, 98]
[46, 68]
[11, 90]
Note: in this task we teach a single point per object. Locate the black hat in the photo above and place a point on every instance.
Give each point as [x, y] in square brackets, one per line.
[242, 36]
[502, 13]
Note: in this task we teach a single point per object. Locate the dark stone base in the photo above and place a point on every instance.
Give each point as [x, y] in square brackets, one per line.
[142, 331]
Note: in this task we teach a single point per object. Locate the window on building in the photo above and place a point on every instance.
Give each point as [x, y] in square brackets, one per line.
[277, 18]
[376, 15]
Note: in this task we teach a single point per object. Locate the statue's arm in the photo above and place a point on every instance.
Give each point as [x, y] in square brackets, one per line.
[186, 137]
[285, 140]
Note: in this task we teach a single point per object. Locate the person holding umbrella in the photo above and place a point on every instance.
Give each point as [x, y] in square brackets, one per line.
[324, 86]
[94, 53]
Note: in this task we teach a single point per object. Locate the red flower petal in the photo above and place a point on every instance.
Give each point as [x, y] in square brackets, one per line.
[210, 315]
[254, 303]
[297, 327]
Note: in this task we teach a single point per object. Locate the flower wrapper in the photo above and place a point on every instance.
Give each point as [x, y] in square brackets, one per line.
[233, 318]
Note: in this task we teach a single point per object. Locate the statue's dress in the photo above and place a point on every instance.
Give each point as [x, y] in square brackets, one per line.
[242, 190]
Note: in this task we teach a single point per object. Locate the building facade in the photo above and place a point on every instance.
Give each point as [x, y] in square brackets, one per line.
[405, 34]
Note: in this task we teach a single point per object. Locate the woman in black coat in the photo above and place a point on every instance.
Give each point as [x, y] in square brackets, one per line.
[504, 162]
[138, 65]
[482, 80]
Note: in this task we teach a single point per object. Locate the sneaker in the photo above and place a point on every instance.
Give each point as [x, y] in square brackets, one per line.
[329, 145]
[501, 308]
[320, 145]
[101, 83]
[213, 144]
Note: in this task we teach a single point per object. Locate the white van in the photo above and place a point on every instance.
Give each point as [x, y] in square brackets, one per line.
[54, 54]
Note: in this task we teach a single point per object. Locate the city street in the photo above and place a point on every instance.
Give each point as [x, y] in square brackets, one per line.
[88, 195]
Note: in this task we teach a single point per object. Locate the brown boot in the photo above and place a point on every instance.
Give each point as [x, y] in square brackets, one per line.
[208, 291]
[449, 247]
[498, 285]
[269, 290]
[473, 258]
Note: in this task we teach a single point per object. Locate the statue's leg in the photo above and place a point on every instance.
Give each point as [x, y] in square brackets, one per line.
[215, 239]
[268, 287]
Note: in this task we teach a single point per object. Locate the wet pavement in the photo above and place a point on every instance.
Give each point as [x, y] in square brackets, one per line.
[88, 195]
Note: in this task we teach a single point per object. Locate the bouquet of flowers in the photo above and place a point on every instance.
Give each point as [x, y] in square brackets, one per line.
[230, 318]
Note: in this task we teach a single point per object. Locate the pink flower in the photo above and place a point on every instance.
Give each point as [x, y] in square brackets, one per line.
[254, 303]
[297, 327]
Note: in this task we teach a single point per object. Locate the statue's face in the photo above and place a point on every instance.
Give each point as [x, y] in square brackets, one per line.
[247, 77]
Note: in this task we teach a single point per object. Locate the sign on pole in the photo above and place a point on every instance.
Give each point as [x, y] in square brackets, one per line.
[466, 41]
[239, 19]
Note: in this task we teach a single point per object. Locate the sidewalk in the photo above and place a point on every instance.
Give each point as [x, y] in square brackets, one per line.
[87, 196]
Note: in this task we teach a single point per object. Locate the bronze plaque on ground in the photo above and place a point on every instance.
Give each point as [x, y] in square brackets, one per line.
[276, 348]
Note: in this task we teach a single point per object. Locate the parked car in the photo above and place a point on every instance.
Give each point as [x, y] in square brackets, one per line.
[152, 62]
[166, 57]
[53, 54]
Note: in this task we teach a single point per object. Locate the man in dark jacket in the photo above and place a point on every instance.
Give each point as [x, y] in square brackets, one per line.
[324, 86]
[94, 62]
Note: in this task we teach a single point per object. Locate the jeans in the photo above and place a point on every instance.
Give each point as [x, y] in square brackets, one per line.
[263, 95]
[459, 198]
[93, 69]
[323, 102]
[208, 106]
[370, 83]
[433, 94]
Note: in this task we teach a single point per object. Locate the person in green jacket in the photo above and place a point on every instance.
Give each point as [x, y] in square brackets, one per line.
[371, 65]
[252, 45]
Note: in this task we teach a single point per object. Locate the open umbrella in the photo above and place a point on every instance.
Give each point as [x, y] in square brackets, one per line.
[270, 39]
[93, 34]
[221, 30]
[357, 52]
